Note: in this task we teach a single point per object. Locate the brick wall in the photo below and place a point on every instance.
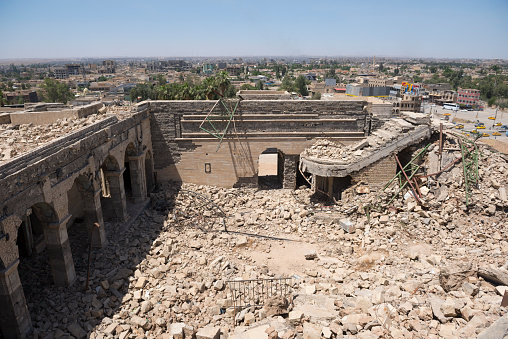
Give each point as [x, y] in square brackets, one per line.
[378, 173]
[181, 149]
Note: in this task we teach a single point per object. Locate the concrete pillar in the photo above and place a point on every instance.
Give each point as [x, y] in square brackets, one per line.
[59, 253]
[93, 214]
[117, 193]
[138, 177]
[14, 317]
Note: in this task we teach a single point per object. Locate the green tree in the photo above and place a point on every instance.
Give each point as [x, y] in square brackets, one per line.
[330, 74]
[102, 78]
[143, 92]
[301, 85]
[491, 101]
[161, 80]
[288, 84]
[259, 85]
[247, 87]
[1, 98]
[316, 96]
[54, 91]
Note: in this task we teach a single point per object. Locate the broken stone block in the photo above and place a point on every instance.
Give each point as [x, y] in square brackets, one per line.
[77, 331]
[467, 313]
[311, 331]
[449, 308]
[499, 329]
[176, 330]
[138, 321]
[502, 194]
[435, 304]
[276, 306]
[140, 283]
[249, 318]
[335, 328]
[311, 255]
[208, 333]
[327, 333]
[452, 277]
[470, 289]
[494, 274]
[347, 225]
[295, 317]
[501, 290]
[384, 219]
[310, 289]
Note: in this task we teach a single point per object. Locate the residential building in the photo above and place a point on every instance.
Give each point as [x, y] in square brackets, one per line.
[73, 69]
[377, 82]
[468, 97]
[233, 70]
[207, 68]
[365, 90]
[109, 66]
[407, 103]
[60, 73]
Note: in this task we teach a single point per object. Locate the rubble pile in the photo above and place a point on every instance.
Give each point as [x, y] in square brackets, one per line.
[392, 129]
[18, 139]
[435, 269]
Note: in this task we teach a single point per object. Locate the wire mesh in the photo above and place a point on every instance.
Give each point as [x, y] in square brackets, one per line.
[255, 292]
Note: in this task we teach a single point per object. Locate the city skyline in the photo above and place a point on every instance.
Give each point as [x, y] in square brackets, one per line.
[220, 28]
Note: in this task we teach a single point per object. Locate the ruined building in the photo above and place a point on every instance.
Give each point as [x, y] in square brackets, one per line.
[96, 167]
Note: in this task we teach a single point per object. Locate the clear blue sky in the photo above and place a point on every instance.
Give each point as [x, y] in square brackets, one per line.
[158, 28]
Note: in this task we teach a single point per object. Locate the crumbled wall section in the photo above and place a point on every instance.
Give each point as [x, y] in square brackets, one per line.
[181, 148]
[379, 173]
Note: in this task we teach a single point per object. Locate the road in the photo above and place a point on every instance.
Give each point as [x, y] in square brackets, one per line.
[473, 116]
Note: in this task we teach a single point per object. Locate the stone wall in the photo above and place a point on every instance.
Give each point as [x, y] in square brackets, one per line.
[377, 174]
[49, 116]
[181, 148]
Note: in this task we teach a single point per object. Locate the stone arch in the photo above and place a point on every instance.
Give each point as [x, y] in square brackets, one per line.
[42, 216]
[112, 199]
[84, 202]
[130, 151]
[135, 175]
[14, 316]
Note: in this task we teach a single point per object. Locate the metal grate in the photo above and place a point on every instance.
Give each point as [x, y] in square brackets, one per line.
[255, 292]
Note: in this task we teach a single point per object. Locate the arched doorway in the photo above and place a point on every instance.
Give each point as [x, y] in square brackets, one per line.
[42, 235]
[85, 207]
[270, 169]
[113, 200]
[128, 179]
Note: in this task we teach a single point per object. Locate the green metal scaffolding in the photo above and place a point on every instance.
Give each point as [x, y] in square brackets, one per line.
[220, 114]
[470, 158]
